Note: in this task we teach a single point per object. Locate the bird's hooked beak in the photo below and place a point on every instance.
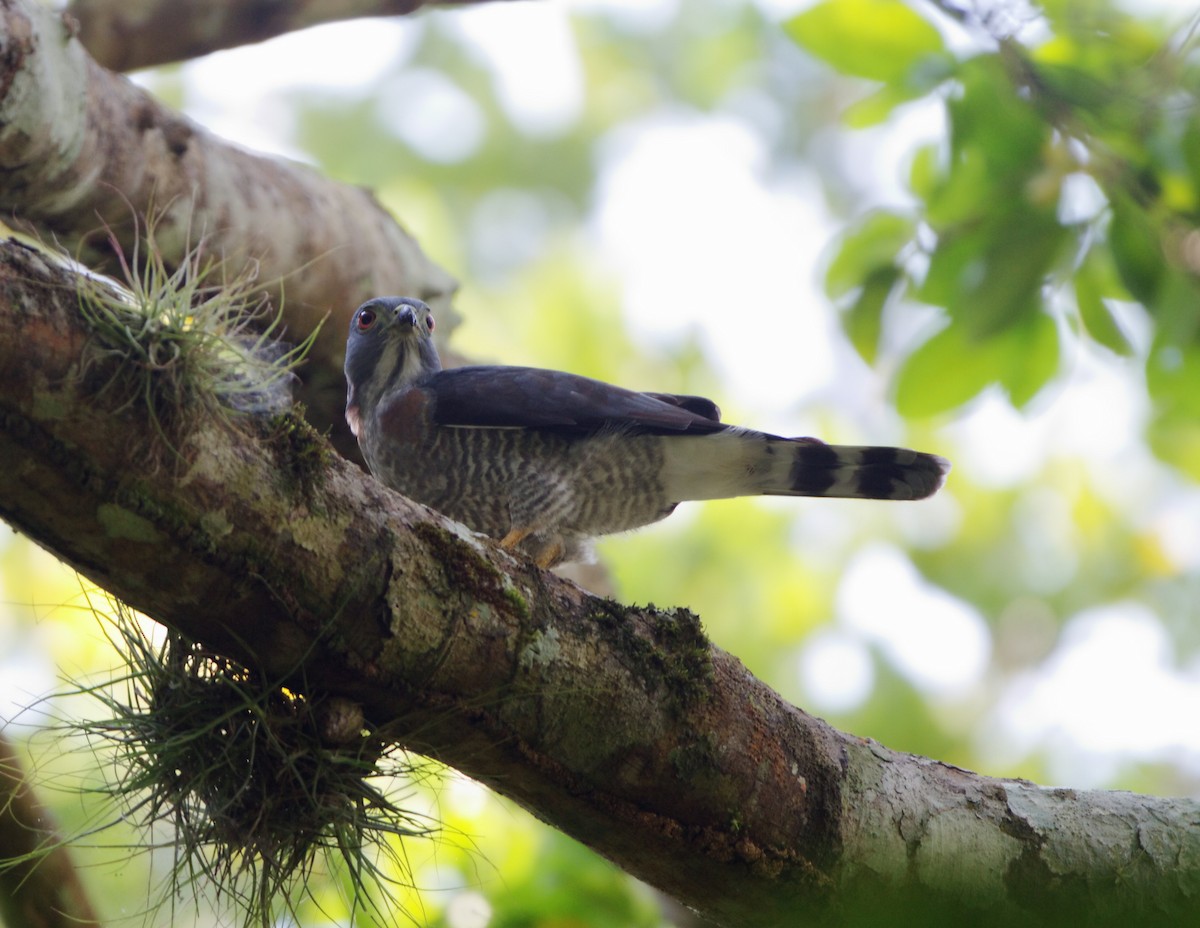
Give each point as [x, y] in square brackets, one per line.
[409, 321]
[405, 317]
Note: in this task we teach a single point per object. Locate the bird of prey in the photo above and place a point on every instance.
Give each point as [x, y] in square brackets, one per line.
[544, 460]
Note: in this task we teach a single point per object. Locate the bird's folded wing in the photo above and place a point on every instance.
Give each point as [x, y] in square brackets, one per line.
[700, 405]
[527, 397]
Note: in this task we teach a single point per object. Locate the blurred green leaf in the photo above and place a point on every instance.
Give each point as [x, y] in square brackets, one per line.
[1074, 86]
[1176, 306]
[925, 171]
[1173, 377]
[1099, 38]
[937, 378]
[1095, 283]
[956, 268]
[1189, 146]
[955, 366]
[1029, 355]
[573, 887]
[993, 117]
[876, 107]
[1136, 250]
[863, 319]
[881, 40]
[1023, 250]
[961, 192]
[1177, 441]
[991, 275]
[870, 245]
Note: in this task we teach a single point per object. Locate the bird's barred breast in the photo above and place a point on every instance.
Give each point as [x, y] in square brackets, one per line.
[497, 479]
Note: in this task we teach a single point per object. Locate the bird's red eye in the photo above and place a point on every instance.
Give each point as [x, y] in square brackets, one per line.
[429, 322]
[366, 318]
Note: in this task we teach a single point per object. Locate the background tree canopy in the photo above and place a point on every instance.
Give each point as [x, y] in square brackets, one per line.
[973, 230]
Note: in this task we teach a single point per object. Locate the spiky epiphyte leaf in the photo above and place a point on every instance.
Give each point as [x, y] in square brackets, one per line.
[186, 342]
[255, 779]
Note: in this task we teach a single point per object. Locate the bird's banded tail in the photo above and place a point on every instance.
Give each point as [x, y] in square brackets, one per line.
[745, 463]
[860, 471]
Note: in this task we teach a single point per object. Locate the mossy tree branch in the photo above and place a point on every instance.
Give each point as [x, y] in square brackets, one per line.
[621, 726]
[82, 148]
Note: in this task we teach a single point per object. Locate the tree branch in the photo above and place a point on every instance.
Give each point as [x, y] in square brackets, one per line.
[621, 726]
[125, 35]
[42, 890]
[81, 147]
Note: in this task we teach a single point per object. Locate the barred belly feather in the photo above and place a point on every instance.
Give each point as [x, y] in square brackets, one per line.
[494, 480]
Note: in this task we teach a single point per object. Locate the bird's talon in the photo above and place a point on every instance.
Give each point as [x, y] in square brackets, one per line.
[550, 555]
[515, 536]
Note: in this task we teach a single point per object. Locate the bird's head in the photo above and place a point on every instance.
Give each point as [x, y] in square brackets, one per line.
[390, 347]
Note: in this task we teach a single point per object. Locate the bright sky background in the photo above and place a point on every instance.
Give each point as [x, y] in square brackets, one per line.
[1111, 687]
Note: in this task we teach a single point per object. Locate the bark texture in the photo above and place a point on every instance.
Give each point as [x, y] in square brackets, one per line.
[128, 34]
[82, 148]
[621, 726]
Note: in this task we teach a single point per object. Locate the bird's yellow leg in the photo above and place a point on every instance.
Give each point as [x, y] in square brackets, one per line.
[515, 536]
[550, 555]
